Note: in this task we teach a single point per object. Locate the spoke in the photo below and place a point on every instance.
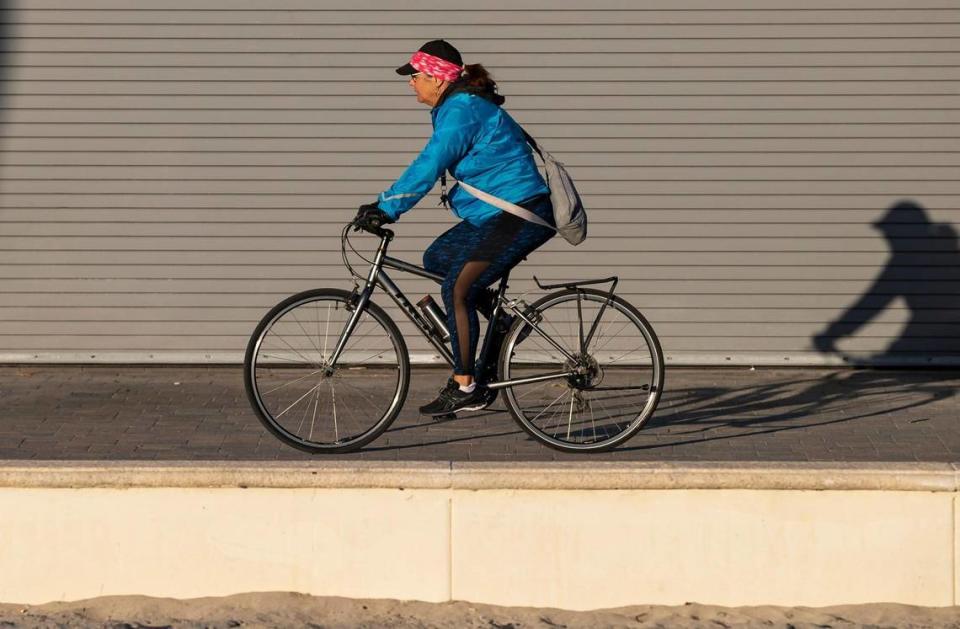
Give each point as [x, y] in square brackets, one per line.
[598, 336]
[303, 418]
[326, 332]
[373, 356]
[297, 401]
[593, 423]
[548, 406]
[366, 397]
[336, 430]
[612, 416]
[289, 360]
[293, 313]
[600, 346]
[550, 352]
[573, 397]
[316, 403]
[356, 336]
[558, 333]
[605, 433]
[295, 351]
[543, 384]
[558, 413]
[622, 356]
[292, 382]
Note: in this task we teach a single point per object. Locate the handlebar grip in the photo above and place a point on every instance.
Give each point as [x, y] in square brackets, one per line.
[372, 225]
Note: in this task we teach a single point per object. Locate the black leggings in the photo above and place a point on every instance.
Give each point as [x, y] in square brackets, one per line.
[472, 258]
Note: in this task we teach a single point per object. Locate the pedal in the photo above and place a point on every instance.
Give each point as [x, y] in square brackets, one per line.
[443, 418]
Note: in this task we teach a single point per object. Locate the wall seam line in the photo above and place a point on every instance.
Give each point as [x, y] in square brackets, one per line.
[450, 546]
[451, 488]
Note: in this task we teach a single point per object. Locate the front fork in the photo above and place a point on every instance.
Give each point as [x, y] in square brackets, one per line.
[359, 299]
[359, 305]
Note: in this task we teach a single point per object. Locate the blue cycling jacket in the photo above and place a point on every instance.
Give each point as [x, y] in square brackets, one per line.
[477, 142]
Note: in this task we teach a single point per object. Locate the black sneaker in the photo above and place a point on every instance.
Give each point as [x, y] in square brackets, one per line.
[452, 399]
[490, 396]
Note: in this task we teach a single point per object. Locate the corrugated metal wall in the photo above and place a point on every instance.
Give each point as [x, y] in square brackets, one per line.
[169, 170]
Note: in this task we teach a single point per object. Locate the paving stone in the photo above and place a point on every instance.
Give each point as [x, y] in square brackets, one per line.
[720, 414]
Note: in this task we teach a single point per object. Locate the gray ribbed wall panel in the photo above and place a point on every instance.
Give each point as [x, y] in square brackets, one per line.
[170, 170]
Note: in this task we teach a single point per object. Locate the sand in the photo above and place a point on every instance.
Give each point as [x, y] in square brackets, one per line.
[289, 609]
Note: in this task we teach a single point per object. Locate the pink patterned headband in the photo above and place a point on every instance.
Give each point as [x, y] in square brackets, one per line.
[435, 66]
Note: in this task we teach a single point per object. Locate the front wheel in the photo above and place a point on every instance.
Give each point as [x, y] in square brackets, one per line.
[619, 377]
[300, 398]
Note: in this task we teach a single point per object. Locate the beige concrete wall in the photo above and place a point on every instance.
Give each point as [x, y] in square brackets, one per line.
[566, 548]
[63, 544]
[583, 550]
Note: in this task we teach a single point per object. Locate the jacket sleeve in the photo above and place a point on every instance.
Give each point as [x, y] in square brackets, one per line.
[454, 133]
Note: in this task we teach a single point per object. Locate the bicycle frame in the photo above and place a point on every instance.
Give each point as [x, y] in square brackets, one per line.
[378, 277]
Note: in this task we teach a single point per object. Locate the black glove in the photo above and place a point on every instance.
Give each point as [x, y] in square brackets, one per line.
[370, 216]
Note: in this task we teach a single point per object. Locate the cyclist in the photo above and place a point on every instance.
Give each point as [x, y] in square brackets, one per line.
[479, 143]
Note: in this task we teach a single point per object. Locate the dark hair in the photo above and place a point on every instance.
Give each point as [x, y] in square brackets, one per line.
[478, 78]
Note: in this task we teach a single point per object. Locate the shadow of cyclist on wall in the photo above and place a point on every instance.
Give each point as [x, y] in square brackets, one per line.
[923, 269]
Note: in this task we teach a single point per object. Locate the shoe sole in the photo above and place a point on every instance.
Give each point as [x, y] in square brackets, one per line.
[455, 411]
[473, 407]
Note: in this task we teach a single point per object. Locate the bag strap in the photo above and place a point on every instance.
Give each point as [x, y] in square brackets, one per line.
[506, 206]
[497, 202]
[532, 143]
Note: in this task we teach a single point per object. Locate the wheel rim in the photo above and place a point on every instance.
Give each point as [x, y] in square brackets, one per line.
[306, 401]
[616, 391]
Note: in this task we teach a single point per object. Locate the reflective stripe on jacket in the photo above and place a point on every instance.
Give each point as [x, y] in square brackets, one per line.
[478, 142]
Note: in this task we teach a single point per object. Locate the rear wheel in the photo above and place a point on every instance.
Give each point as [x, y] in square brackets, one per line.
[300, 398]
[618, 380]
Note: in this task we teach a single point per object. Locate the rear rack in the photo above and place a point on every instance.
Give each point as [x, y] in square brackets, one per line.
[612, 278]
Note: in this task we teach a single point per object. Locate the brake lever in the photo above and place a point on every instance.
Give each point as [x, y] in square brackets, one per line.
[373, 227]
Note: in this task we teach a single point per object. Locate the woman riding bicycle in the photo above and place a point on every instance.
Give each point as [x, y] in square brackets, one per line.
[479, 143]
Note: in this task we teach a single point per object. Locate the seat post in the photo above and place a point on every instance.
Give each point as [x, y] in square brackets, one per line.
[502, 289]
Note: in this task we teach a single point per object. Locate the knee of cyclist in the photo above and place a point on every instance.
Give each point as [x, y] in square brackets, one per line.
[467, 297]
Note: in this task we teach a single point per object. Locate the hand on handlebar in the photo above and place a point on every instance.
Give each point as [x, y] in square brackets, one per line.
[370, 217]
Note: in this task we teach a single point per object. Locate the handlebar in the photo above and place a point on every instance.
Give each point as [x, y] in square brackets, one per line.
[374, 228]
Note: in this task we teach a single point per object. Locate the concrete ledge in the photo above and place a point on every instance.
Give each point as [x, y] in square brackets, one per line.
[574, 535]
[595, 475]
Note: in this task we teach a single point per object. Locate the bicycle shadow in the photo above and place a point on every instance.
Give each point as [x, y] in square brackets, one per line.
[816, 401]
[474, 417]
[695, 415]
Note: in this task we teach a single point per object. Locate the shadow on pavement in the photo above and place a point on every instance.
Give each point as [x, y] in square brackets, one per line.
[817, 400]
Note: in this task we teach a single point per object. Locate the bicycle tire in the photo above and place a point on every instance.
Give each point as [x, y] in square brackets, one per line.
[520, 332]
[268, 415]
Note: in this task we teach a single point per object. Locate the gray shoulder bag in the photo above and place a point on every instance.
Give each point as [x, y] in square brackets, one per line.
[568, 212]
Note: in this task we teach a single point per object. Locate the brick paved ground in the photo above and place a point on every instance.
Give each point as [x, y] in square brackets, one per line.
[87, 412]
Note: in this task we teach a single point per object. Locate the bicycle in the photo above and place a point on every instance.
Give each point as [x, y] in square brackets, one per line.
[336, 356]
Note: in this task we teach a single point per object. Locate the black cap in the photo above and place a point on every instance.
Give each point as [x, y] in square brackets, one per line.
[438, 48]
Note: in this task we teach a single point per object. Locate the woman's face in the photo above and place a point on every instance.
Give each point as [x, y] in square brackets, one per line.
[428, 88]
